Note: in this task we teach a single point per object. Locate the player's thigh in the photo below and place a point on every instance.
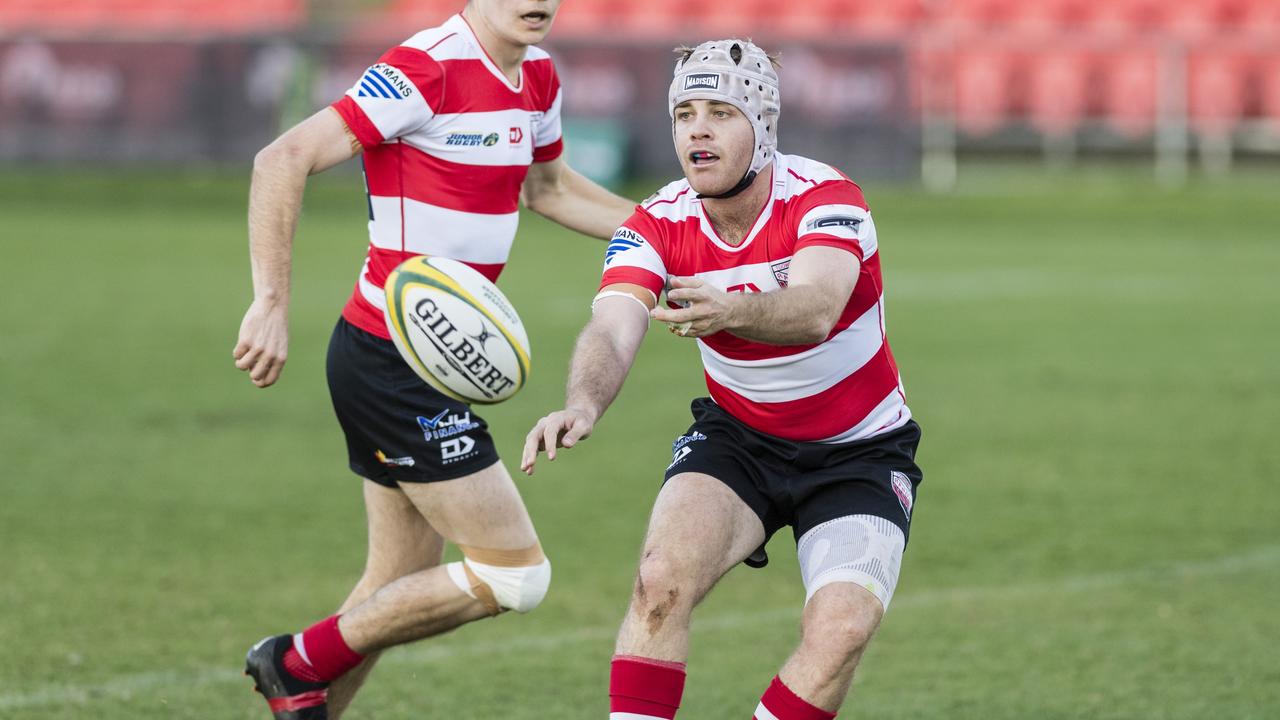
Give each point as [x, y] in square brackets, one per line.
[482, 510]
[401, 540]
[699, 529]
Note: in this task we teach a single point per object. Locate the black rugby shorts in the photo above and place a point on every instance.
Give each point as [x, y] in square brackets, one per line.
[399, 428]
[801, 484]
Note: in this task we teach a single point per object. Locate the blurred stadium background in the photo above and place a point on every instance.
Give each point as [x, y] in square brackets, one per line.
[1077, 203]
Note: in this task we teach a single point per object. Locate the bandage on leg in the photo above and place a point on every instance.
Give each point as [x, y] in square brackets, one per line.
[861, 549]
[503, 579]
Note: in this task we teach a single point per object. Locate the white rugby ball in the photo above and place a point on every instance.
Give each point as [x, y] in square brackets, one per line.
[457, 330]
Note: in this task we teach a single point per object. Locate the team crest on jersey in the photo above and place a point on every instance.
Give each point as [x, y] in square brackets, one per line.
[384, 82]
[780, 270]
[902, 488]
[623, 240]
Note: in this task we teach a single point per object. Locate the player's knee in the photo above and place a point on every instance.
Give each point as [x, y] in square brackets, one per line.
[503, 580]
[662, 584]
[841, 620]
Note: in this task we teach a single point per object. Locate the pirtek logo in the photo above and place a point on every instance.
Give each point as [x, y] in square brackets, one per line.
[710, 81]
[463, 355]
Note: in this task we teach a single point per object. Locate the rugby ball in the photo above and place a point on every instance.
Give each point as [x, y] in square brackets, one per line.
[456, 330]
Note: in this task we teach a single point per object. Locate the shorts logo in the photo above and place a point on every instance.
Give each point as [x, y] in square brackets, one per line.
[680, 448]
[457, 449]
[446, 425]
[902, 488]
[709, 81]
[780, 271]
[393, 462]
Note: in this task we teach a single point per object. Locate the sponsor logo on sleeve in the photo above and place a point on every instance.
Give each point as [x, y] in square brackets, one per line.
[833, 221]
[902, 488]
[702, 81]
[384, 82]
[623, 240]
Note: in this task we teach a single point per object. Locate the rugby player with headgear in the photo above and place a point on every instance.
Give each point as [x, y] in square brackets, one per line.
[456, 126]
[771, 262]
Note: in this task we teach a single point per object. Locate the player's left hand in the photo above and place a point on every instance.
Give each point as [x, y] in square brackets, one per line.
[706, 310]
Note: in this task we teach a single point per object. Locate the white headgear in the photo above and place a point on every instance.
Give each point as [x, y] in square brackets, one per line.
[748, 82]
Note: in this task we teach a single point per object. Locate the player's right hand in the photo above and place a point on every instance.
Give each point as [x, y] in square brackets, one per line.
[563, 428]
[263, 345]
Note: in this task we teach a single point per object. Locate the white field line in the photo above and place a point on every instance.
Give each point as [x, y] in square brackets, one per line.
[174, 683]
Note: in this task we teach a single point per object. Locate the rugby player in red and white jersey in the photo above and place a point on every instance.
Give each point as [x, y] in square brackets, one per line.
[771, 262]
[456, 126]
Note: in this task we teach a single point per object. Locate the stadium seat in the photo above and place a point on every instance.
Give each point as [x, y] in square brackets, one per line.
[984, 88]
[1270, 89]
[1216, 89]
[1131, 79]
[1058, 90]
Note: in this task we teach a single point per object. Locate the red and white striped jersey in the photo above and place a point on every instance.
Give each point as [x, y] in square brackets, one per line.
[448, 141]
[842, 389]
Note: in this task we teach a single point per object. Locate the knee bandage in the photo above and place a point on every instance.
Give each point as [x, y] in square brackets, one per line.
[861, 549]
[503, 579]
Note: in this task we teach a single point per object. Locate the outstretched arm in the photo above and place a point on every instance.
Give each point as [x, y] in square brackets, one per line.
[280, 173]
[556, 191]
[804, 312]
[602, 358]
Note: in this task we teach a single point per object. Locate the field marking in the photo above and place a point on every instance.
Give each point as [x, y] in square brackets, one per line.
[127, 687]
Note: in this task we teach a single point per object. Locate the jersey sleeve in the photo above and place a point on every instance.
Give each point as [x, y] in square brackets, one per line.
[395, 97]
[548, 142]
[835, 214]
[634, 255]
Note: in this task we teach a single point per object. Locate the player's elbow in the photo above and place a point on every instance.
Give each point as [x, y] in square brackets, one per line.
[818, 325]
[285, 153]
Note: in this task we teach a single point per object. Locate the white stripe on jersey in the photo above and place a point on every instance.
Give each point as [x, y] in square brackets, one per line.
[389, 110]
[862, 229]
[548, 131]
[376, 296]
[478, 124]
[791, 377]
[630, 248]
[891, 414]
[762, 713]
[431, 230]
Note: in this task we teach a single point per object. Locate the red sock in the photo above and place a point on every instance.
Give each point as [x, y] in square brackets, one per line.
[644, 688]
[319, 654]
[779, 703]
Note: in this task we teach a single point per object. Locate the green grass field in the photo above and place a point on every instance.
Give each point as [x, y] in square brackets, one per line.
[1095, 363]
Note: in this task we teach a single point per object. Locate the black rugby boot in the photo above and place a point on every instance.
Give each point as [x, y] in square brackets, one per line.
[288, 697]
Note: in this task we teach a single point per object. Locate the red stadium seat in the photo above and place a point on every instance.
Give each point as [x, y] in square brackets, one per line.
[1270, 88]
[1216, 81]
[1058, 90]
[1131, 81]
[984, 89]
